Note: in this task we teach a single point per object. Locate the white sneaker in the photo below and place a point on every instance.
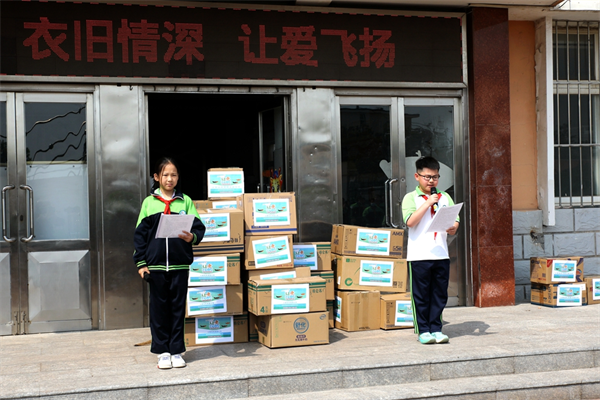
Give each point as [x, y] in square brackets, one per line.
[164, 361]
[177, 361]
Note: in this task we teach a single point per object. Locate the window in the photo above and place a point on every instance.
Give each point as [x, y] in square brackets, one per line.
[576, 113]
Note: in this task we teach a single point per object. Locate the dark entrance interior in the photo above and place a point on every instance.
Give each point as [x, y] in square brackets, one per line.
[202, 131]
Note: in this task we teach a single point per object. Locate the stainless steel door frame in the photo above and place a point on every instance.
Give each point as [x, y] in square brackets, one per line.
[400, 182]
[462, 269]
[10, 248]
[25, 253]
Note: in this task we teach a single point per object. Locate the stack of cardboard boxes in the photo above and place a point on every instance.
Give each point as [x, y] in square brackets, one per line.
[288, 304]
[371, 278]
[558, 282]
[214, 309]
[316, 256]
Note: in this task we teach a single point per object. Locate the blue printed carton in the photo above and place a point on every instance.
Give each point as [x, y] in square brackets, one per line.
[269, 213]
[556, 270]
[350, 240]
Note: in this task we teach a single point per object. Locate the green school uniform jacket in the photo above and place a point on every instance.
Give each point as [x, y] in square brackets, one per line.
[152, 252]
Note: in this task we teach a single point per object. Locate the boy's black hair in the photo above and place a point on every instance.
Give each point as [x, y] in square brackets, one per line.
[158, 168]
[427, 162]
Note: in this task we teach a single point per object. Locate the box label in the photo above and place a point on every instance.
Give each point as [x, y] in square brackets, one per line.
[595, 289]
[404, 313]
[376, 273]
[225, 184]
[214, 330]
[564, 271]
[279, 275]
[208, 271]
[373, 242]
[338, 309]
[224, 204]
[301, 326]
[569, 295]
[305, 255]
[217, 227]
[269, 212]
[207, 300]
[290, 298]
[270, 252]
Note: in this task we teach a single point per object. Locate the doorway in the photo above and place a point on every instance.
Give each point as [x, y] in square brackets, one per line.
[47, 250]
[381, 138]
[203, 131]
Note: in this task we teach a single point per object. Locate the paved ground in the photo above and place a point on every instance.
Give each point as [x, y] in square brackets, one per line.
[80, 362]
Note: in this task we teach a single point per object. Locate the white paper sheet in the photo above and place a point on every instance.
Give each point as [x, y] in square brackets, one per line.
[171, 225]
[444, 218]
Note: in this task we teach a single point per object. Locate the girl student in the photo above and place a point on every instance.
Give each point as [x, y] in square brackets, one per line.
[165, 265]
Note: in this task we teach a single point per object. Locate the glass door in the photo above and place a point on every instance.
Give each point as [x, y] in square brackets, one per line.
[272, 125]
[381, 138]
[367, 131]
[46, 213]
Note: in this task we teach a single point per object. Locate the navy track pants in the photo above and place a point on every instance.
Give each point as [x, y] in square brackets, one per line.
[429, 292]
[168, 292]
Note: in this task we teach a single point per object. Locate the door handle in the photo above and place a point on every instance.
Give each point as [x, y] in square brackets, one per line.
[4, 190]
[391, 196]
[387, 201]
[30, 214]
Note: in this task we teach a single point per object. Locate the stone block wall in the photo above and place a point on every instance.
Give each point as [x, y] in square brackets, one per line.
[576, 233]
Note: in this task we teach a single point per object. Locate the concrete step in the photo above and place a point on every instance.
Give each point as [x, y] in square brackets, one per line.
[564, 384]
[571, 374]
[491, 347]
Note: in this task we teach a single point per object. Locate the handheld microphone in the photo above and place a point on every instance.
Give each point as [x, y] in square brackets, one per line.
[435, 205]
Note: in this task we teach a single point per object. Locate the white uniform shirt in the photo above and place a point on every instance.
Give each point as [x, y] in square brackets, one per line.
[421, 244]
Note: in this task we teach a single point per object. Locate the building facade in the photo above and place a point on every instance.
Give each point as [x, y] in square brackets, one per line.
[338, 99]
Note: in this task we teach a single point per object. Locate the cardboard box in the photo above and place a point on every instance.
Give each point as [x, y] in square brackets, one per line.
[367, 242]
[592, 285]
[290, 330]
[559, 295]
[331, 311]
[269, 213]
[362, 273]
[556, 270]
[279, 296]
[215, 222]
[203, 331]
[268, 252]
[316, 255]
[357, 311]
[215, 269]
[225, 182]
[280, 273]
[215, 204]
[329, 283]
[252, 328]
[396, 311]
[205, 301]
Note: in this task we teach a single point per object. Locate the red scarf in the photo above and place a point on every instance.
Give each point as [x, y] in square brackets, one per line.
[433, 211]
[167, 203]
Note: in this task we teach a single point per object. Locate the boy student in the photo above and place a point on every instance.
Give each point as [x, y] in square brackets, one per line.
[427, 253]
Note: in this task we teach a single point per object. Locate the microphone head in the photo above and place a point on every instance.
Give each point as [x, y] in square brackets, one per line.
[433, 190]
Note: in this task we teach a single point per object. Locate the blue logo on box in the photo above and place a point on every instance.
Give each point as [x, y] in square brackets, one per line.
[301, 325]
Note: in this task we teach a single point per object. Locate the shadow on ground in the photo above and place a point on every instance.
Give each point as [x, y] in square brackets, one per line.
[467, 328]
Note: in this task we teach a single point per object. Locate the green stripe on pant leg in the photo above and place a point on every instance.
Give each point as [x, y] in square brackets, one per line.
[412, 300]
